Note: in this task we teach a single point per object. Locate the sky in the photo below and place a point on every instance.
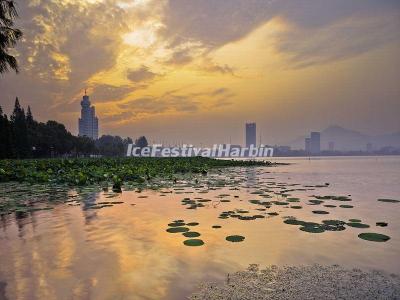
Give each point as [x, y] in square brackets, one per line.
[195, 71]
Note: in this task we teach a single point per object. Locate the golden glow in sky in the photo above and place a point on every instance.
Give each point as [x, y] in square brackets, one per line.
[155, 65]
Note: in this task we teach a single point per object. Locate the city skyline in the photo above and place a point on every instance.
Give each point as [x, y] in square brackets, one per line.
[151, 66]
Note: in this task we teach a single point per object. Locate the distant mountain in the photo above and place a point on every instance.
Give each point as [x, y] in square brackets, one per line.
[351, 140]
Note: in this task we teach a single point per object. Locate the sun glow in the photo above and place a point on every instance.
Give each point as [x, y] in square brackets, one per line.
[143, 37]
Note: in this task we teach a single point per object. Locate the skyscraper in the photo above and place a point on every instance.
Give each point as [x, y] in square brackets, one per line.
[88, 123]
[251, 134]
[315, 143]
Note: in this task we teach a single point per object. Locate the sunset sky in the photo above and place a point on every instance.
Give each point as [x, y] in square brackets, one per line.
[197, 70]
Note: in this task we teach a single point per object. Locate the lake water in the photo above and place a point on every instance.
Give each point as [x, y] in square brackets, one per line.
[124, 251]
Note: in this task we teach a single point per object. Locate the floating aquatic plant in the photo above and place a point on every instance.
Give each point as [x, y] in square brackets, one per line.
[193, 242]
[235, 238]
[320, 212]
[191, 234]
[176, 224]
[312, 228]
[354, 220]
[177, 229]
[357, 225]
[388, 200]
[192, 224]
[381, 224]
[374, 237]
[346, 206]
[333, 222]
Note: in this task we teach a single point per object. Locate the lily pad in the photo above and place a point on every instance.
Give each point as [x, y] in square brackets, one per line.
[192, 224]
[389, 200]
[333, 222]
[280, 203]
[292, 199]
[374, 237]
[312, 228]
[320, 212]
[315, 202]
[296, 207]
[357, 225]
[381, 224]
[355, 220]
[294, 222]
[246, 218]
[273, 214]
[346, 206]
[176, 224]
[193, 242]
[235, 238]
[191, 234]
[177, 229]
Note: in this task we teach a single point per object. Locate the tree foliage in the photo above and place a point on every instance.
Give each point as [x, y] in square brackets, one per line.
[141, 142]
[22, 136]
[9, 35]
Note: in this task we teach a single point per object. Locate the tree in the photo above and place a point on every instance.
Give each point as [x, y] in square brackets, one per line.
[19, 131]
[141, 142]
[109, 145]
[23, 137]
[84, 145]
[8, 35]
[29, 117]
[5, 136]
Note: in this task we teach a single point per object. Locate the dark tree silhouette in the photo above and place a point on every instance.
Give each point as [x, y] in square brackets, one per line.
[20, 131]
[5, 136]
[141, 142]
[109, 145]
[8, 35]
[22, 136]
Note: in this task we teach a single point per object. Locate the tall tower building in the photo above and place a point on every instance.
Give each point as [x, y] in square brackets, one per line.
[251, 134]
[88, 122]
[315, 142]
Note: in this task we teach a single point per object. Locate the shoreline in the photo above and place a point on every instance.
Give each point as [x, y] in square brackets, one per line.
[302, 282]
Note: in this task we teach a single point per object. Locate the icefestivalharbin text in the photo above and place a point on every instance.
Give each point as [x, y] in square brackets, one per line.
[221, 150]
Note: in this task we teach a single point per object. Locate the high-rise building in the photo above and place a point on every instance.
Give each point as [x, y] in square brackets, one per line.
[88, 123]
[251, 134]
[315, 143]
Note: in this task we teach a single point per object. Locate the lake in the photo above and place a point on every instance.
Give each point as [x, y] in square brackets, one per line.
[120, 249]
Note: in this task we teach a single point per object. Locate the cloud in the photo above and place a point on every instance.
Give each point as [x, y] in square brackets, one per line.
[181, 57]
[106, 92]
[219, 91]
[214, 22]
[155, 105]
[141, 74]
[211, 67]
[341, 40]
[319, 31]
[69, 45]
[64, 44]
[174, 101]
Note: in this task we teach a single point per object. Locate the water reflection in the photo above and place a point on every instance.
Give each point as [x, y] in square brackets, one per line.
[73, 251]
